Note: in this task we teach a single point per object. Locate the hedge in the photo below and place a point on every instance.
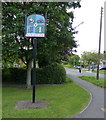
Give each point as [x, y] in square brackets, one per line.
[51, 74]
[14, 75]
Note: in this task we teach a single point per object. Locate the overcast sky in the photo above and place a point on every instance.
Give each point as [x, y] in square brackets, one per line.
[88, 35]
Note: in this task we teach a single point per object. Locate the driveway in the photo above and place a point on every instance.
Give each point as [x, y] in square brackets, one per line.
[97, 93]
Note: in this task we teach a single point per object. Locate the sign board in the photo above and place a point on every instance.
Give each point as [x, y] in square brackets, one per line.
[35, 26]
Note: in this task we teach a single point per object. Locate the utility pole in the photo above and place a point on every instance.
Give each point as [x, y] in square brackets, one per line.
[97, 77]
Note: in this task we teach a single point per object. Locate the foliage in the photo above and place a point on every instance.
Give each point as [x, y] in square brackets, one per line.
[65, 101]
[92, 57]
[14, 75]
[74, 60]
[59, 35]
[10, 64]
[89, 57]
[64, 62]
[101, 82]
[51, 74]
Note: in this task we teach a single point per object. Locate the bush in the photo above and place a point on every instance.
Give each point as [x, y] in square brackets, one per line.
[51, 74]
[6, 75]
[14, 75]
[65, 62]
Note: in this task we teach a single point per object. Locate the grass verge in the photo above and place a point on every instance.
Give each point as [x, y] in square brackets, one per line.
[101, 72]
[85, 70]
[101, 82]
[65, 101]
[69, 66]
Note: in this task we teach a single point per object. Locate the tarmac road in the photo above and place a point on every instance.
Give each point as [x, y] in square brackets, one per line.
[97, 93]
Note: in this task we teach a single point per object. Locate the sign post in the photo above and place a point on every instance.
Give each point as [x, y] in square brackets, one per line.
[35, 28]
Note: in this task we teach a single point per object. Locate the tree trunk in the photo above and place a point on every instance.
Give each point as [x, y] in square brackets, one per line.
[28, 79]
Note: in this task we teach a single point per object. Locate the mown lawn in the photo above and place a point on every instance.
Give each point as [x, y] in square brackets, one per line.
[101, 82]
[65, 101]
[101, 72]
[69, 66]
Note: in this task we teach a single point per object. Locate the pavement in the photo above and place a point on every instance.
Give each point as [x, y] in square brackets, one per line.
[96, 106]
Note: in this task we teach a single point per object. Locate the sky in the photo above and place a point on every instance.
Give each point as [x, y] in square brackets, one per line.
[88, 32]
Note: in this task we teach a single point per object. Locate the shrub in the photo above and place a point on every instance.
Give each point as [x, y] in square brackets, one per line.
[6, 75]
[65, 62]
[14, 75]
[51, 74]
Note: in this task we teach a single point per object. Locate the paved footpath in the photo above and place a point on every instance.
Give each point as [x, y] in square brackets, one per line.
[97, 102]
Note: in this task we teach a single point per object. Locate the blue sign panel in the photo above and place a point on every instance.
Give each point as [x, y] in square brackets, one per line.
[35, 26]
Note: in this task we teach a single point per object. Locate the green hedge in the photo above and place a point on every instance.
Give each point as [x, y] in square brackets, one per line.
[14, 75]
[51, 74]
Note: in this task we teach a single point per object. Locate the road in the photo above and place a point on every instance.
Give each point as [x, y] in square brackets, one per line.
[97, 93]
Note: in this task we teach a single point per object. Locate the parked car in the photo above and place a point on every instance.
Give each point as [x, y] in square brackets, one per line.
[103, 68]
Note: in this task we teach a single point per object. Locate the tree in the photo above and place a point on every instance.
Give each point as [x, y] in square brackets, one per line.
[89, 57]
[74, 60]
[59, 35]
